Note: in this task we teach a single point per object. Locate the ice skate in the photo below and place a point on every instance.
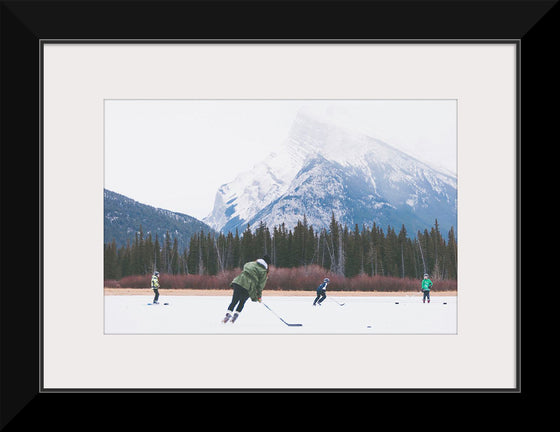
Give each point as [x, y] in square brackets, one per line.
[226, 318]
[235, 315]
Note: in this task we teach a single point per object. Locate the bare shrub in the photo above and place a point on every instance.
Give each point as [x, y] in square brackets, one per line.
[306, 278]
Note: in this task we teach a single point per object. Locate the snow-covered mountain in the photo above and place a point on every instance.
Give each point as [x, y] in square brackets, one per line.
[324, 168]
[123, 218]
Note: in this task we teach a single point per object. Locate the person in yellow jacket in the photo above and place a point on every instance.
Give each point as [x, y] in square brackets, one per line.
[155, 286]
[249, 284]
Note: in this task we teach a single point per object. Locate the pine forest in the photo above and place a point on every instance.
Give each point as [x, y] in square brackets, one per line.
[341, 251]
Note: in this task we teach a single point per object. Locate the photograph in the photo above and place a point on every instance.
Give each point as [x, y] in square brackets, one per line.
[280, 216]
[285, 202]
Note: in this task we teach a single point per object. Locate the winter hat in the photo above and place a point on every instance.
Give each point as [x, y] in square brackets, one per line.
[266, 259]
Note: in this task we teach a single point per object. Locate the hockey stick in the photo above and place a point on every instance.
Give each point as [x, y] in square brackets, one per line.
[288, 324]
[340, 304]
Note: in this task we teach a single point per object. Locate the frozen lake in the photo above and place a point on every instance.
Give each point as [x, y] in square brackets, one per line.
[130, 314]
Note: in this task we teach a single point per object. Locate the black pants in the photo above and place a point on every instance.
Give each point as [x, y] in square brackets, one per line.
[322, 295]
[426, 296]
[240, 296]
[156, 294]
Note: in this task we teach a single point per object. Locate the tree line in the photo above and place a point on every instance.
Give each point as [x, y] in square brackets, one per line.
[340, 249]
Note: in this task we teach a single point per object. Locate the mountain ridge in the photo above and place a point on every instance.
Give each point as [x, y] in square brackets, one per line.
[324, 168]
[123, 217]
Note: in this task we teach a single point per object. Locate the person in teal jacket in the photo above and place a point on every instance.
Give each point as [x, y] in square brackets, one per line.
[249, 284]
[426, 285]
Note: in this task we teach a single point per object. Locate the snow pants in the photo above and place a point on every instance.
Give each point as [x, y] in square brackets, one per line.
[321, 295]
[240, 296]
[426, 296]
[156, 294]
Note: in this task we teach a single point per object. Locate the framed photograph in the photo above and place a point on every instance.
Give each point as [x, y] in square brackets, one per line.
[355, 87]
[152, 118]
[140, 134]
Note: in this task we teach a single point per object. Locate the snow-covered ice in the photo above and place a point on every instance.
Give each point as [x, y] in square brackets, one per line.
[359, 315]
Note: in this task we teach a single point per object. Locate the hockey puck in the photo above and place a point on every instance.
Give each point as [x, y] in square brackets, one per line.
[368, 326]
[444, 302]
[396, 302]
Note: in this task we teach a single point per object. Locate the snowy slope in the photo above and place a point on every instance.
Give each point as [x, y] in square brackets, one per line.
[324, 168]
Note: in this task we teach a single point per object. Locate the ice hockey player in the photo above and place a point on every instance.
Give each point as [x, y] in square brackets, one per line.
[321, 292]
[249, 284]
[426, 285]
[155, 286]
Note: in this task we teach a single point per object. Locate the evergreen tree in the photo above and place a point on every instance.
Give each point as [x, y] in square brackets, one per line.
[261, 240]
[125, 259]
[343, 252]
[354, 254]
[211, 255]
[193, 258]
[281, 246]
[166, 253]
[175, 257]
[156, 259]
[407, 265]
[149, 253]
[299, 244]
[335, 246]
[110, 261]
[451, 255]
[236, 250]
[221, 252]
[247, 246]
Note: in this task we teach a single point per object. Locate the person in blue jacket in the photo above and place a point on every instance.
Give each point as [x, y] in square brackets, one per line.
[321, 292]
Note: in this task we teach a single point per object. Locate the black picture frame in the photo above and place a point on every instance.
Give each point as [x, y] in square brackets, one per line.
[26, 24]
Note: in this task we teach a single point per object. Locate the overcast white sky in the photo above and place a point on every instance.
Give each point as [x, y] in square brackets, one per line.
[175, 154]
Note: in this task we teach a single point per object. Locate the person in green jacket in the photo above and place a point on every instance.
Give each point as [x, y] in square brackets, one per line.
[426, 285]
[249, 284]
